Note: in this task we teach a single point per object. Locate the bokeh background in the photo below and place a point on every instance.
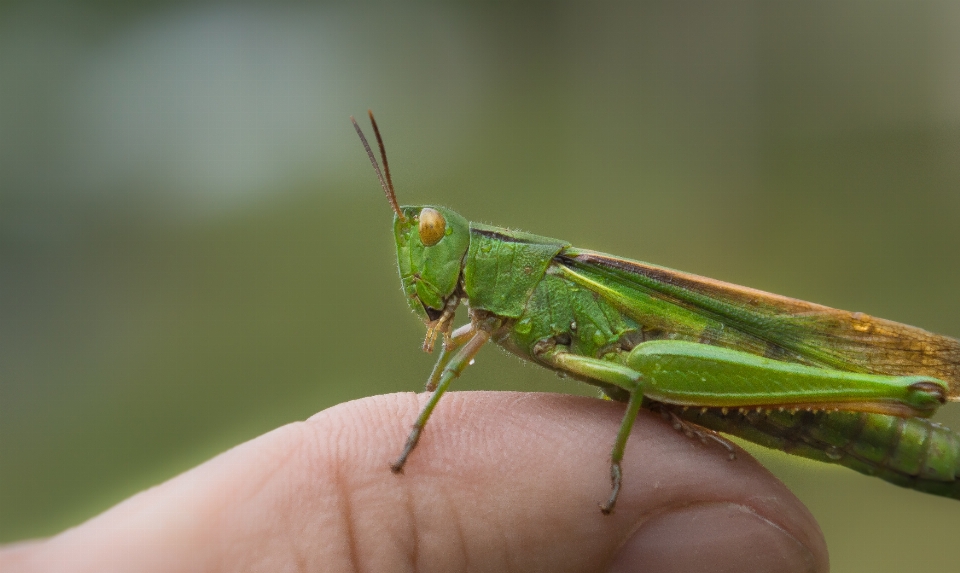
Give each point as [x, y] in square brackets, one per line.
[194, 249]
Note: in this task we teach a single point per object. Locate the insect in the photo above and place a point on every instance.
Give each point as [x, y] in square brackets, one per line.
[836, 386]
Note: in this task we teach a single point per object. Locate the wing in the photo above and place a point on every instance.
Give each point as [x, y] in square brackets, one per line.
[773, 325]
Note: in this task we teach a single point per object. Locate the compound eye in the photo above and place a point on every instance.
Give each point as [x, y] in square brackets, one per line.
[432, 226]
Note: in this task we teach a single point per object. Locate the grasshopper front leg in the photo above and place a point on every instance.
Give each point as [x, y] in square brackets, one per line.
[456, 355]
[454, 343]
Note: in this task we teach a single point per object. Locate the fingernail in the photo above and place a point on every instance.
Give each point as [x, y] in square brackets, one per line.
[715, 537]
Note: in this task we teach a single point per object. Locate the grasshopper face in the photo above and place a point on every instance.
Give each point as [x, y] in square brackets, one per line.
[431, 244]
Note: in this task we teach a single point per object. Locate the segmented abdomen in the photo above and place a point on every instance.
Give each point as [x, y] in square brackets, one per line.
[910, 452]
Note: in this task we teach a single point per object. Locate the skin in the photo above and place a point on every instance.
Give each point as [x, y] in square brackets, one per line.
[499, 482]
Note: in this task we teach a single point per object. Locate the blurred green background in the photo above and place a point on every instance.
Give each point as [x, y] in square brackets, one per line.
[194, 249]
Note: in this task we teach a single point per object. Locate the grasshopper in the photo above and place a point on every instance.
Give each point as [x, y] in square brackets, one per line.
[836, 386]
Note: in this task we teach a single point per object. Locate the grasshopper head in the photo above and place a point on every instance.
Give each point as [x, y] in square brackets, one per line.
[431, 244]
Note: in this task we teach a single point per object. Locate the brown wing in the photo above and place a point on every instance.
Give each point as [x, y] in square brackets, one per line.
[834, 338]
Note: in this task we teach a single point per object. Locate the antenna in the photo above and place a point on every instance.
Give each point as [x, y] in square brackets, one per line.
[386, 184]
[383, 153]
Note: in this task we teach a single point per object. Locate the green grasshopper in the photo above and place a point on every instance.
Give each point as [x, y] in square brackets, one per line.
[837, 386]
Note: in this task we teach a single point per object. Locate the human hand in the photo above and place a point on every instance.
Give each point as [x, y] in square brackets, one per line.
[499, 482]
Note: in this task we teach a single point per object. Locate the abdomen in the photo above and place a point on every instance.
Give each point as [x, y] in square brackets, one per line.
[910, 452]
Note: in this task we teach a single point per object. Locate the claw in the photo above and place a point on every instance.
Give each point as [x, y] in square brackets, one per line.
[616, 477]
